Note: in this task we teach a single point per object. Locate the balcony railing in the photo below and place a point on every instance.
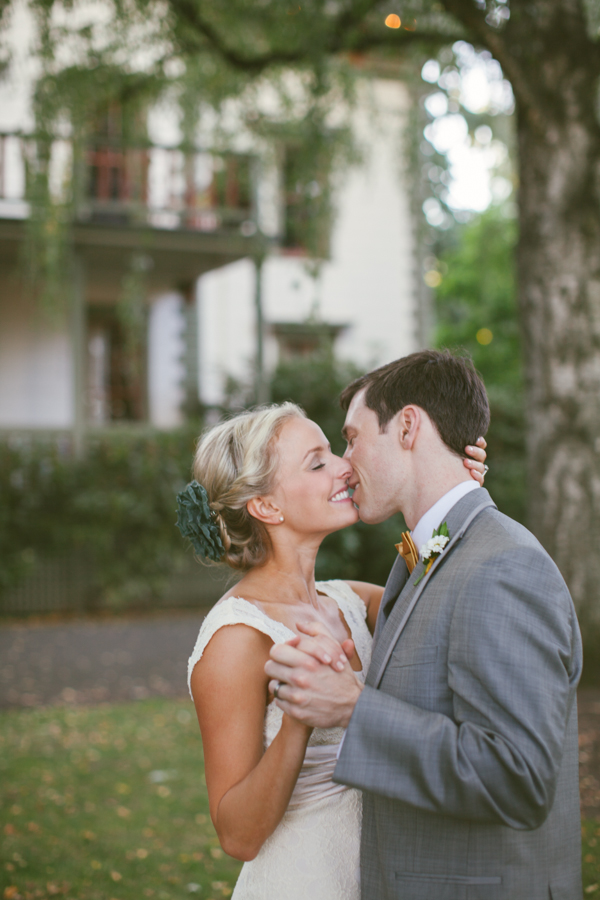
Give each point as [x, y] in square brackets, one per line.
[124, 185]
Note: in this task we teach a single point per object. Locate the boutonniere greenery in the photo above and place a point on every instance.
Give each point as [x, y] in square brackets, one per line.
[434, 548]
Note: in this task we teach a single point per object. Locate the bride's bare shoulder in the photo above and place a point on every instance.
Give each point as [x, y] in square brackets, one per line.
[235, 655]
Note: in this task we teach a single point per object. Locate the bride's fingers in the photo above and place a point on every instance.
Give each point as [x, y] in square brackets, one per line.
[322, 645]
[476, 470]
[322, 649]
[314, 629]
[349, 648]
[475, 460]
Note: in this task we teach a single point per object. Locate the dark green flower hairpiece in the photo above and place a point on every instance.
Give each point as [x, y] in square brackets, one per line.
[196, 521]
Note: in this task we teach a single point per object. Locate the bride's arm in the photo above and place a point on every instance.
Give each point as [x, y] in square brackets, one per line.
[248, 788]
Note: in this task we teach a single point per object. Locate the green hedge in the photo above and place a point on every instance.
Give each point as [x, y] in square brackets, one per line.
[115, 508]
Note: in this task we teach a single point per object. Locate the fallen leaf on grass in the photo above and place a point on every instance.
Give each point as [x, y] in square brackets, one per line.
[591, 889]
[11, 892]
[123, 812]
[116, 876]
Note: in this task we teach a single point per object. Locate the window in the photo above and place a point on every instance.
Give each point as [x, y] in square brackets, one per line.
[116, 370]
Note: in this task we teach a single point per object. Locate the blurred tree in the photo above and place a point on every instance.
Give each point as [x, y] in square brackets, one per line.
[476, 310]
[549, 51]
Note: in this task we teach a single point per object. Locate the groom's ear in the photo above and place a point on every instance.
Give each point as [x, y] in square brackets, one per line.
[408, 422]
[262, 509]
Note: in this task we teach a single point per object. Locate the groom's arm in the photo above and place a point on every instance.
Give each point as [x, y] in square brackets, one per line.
[513, 640]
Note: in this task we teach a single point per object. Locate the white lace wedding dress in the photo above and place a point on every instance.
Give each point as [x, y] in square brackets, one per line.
[313, 854]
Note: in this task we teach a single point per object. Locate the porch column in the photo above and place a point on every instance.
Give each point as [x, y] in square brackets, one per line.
[78, 345]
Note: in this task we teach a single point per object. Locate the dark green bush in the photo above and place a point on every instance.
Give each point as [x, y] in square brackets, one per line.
[115, 508]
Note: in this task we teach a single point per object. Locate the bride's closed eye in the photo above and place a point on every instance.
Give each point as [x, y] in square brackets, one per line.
[319, 466]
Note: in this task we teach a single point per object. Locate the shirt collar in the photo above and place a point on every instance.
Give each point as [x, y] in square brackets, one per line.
[434, 516]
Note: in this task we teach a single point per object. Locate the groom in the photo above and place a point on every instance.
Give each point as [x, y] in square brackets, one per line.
[464, 738]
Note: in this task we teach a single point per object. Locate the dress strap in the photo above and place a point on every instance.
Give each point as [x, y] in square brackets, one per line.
[235, 611]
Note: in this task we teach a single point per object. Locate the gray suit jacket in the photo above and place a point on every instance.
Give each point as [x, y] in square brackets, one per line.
[464, 739]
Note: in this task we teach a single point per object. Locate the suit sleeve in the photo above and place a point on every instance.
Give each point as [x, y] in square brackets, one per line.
[513, 665]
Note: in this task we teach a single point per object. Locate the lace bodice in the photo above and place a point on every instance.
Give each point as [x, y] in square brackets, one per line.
[236, 611]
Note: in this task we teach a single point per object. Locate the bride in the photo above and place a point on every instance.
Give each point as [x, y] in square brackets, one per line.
[270, 490]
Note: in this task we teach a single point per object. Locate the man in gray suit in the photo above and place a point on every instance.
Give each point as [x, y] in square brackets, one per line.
[464, 738]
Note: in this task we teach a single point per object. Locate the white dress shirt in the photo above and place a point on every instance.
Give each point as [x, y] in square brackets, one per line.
[434, 516]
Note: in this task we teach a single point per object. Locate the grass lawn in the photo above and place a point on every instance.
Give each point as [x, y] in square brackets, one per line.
[109, 803]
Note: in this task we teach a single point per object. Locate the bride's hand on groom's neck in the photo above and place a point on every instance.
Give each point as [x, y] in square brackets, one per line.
[475, 460]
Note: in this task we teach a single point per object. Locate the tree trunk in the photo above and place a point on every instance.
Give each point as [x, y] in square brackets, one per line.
[559, 295]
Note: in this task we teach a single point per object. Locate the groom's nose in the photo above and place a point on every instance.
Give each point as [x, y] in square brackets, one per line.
[346, 468]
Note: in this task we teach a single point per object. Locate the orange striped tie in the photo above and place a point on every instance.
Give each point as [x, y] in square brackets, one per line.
[408, 551]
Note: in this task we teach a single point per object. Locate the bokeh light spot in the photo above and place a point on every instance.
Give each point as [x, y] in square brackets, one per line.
[393, 21]
[432, 278]
[484, 336]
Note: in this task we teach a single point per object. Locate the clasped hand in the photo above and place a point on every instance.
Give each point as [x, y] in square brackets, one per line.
[317, 685]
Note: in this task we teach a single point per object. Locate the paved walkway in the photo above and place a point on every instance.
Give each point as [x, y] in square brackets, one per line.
[95, 660]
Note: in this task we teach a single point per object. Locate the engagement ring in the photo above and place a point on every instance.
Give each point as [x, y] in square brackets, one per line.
[276, 691]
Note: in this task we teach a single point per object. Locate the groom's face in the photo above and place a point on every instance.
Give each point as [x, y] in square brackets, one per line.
[376, 462]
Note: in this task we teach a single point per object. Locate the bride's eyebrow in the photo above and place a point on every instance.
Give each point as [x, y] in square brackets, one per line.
[318, 449]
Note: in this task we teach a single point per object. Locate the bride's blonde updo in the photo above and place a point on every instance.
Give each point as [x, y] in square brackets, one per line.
[236, 461]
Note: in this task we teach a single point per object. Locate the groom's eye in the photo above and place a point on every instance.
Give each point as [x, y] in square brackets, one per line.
[319, 466]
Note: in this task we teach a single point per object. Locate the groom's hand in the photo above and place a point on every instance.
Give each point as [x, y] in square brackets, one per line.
[311, 690]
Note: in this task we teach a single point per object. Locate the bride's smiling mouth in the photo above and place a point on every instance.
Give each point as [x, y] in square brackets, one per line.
[340, 496]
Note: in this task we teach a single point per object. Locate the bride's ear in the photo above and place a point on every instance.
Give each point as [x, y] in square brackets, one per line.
[264, 510]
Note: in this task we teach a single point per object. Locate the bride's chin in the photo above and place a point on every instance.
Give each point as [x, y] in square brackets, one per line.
[349, 518]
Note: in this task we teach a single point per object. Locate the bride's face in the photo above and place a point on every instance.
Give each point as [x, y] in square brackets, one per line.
[311, 483]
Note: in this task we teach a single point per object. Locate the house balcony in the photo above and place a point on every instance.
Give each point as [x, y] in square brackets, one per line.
[185, 210]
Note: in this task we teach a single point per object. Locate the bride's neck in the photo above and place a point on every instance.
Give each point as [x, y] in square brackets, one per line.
[291, 572]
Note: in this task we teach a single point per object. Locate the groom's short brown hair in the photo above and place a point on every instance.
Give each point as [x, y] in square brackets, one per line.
[447, 387]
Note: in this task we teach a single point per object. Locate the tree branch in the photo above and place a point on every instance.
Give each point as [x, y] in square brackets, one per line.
[347, 33]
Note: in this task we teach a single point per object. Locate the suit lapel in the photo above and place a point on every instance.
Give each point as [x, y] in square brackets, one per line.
[386, 626]
[396, 580]
[458, 519]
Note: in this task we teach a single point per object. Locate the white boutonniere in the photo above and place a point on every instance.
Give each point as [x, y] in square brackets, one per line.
[434, 548]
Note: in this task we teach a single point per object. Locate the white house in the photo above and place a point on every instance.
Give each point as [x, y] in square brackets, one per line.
[192, 226]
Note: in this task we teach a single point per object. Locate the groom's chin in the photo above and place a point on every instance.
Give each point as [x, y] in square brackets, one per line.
[368, 517]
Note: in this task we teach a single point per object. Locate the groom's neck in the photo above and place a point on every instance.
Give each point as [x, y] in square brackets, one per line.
[432, 479]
